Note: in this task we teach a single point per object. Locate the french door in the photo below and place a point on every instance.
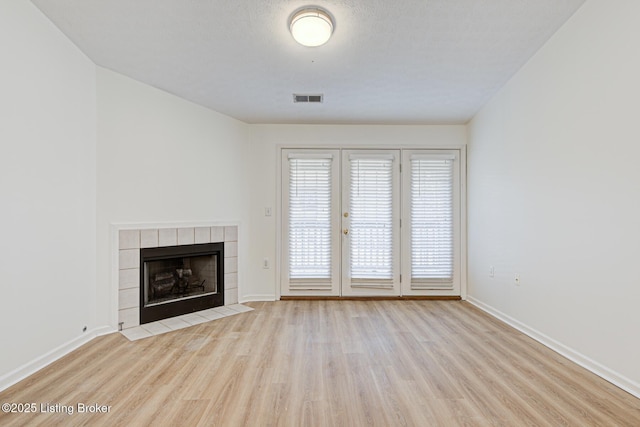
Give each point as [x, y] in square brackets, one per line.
[370, 222]
[354, 225]
[431, 218]
[310, 260]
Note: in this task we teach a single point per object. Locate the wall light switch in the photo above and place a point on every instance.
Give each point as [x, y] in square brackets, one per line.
[267, 211]
[265, 263]
[516, 279]
[492, 271]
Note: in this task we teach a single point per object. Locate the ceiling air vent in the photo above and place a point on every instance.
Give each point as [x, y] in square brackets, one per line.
[307, 98]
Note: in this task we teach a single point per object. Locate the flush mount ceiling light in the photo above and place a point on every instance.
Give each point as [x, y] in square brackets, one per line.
[311, 26]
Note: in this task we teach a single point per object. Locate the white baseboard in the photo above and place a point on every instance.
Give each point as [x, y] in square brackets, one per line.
[258, 297]
[35, 365]
[600, 370]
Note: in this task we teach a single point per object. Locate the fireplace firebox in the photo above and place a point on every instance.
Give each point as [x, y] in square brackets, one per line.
[177, 280]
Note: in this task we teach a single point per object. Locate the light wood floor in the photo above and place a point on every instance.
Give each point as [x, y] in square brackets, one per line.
[316, 363]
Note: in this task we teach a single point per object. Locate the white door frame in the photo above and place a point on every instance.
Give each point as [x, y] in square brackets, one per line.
[462, 150]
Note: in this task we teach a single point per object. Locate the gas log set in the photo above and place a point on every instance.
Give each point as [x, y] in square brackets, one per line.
[178, 282]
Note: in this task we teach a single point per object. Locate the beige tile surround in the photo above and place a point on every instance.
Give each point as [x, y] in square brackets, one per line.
[131, 241]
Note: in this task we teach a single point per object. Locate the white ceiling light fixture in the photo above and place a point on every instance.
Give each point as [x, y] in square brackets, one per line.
[311, 26]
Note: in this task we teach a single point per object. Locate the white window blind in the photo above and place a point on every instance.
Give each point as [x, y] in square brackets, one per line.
[432, 218]
[371, 217]
[310, 217]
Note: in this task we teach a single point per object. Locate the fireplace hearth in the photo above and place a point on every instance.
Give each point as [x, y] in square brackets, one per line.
[177, 280]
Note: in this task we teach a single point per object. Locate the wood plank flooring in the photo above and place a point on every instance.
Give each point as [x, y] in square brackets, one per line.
[327, 363]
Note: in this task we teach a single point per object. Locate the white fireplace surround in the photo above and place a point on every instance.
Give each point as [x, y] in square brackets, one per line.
[129, 239]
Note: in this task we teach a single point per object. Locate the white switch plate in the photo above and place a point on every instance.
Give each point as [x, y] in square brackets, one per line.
[516, 279]
[265, 263]
[267, 211]
[492, 271]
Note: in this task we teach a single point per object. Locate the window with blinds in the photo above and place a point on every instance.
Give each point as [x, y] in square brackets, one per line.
[432, 249]
[310, 217]
[371, 217]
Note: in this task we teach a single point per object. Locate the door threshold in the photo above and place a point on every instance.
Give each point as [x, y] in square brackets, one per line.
[372, 298]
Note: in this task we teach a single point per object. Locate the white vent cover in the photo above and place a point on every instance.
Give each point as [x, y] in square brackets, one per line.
[307, 98]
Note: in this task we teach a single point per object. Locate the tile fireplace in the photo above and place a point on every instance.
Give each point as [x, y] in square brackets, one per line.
[166, 272]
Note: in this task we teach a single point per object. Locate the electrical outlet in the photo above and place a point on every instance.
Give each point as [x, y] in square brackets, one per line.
[492, 271]
[516, 279]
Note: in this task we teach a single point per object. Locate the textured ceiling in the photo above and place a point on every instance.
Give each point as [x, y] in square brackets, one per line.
[388, 62]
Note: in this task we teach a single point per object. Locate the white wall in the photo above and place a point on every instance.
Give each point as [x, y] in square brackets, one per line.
[264, 141]
[554, 193]
[47, 181]
[163, 159]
